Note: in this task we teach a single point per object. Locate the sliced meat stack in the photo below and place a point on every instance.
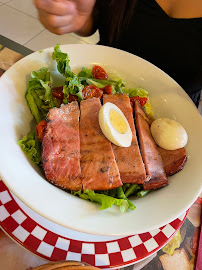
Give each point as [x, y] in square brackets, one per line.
[76, 155]
[61, 147]
[152, 159]
[128, 159]
[99, 170]
[78, 158]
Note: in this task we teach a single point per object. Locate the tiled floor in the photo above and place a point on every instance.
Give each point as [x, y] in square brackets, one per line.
[18, 22]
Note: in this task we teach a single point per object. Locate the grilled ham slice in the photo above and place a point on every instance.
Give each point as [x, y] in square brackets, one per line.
[129, 160]
[99, 170]
[153, 162]
[83, 158]
[173, 160]
[61, 147]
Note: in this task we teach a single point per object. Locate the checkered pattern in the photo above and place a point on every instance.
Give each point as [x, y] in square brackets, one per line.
[54, 247]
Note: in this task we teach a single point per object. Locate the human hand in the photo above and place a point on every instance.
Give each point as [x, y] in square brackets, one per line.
[64, 16]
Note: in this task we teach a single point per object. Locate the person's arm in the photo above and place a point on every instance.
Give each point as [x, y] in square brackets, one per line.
[63, 16]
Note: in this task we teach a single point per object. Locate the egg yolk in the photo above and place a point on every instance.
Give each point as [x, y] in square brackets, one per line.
[117, 121]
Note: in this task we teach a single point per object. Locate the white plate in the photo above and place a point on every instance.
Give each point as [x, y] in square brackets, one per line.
[27, 182]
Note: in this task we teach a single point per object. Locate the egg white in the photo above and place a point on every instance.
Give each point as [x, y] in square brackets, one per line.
[169, 134]
[116, 137]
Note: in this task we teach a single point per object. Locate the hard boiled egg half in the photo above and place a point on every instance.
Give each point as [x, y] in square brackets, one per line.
[114, 125]
[169, 134]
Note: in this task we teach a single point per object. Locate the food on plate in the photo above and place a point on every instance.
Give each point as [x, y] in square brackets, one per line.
[169, 134]
[99, 73]
[114, 125]
[173, 160]
[156, 176]
[91, 91]
[77, 155]
[61, 147]
[99, 170]
[98, 153]
[129, 160]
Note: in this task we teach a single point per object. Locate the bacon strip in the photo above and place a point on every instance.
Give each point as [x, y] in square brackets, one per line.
[128, 159]
[153, 162]
[173, 160]
[99, 170]
[61, 147]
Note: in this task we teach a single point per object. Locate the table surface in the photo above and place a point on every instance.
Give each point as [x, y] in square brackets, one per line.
[187, 256]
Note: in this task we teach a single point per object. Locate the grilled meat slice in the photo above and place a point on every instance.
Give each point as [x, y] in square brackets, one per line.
[99, 170]
[153, 162]
[61, 147]
[129, 160]
[173, 160]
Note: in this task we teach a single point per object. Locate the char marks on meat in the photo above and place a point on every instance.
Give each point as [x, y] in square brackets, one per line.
[128, 159]
[61, 147]
[173, 160]
[78, 156]
[99, 170]
[153, 162]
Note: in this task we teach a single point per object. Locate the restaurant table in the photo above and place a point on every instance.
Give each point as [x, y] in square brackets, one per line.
[187, 256]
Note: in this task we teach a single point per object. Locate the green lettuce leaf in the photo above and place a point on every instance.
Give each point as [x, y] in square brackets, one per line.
[38, 95]
[85, 72]
[104, 200]
[148, 109]
[142, 193]
[73, 86]
[62, 60]
[96, 82]
[131, 189]
[73, 83]
[116, 85]
[119, 86]
[121, 195]
[33, 102]
[31, 147]
[140, 92]
[42, 77]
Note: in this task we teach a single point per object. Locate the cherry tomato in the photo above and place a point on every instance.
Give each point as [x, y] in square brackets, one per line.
[57, 92]
[141, 100]
[40, 129]
[99, 73]
[91, 91]
[107, 89]
[72, 98]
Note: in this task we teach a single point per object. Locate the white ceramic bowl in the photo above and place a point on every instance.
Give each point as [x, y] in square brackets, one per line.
[26, 181]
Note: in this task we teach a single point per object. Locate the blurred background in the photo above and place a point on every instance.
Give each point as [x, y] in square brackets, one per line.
[19, 22]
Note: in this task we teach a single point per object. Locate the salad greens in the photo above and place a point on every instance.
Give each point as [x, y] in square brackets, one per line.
[106, 201]
[39, 95]
[73, 84]
[40, 99]
[31, 147]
